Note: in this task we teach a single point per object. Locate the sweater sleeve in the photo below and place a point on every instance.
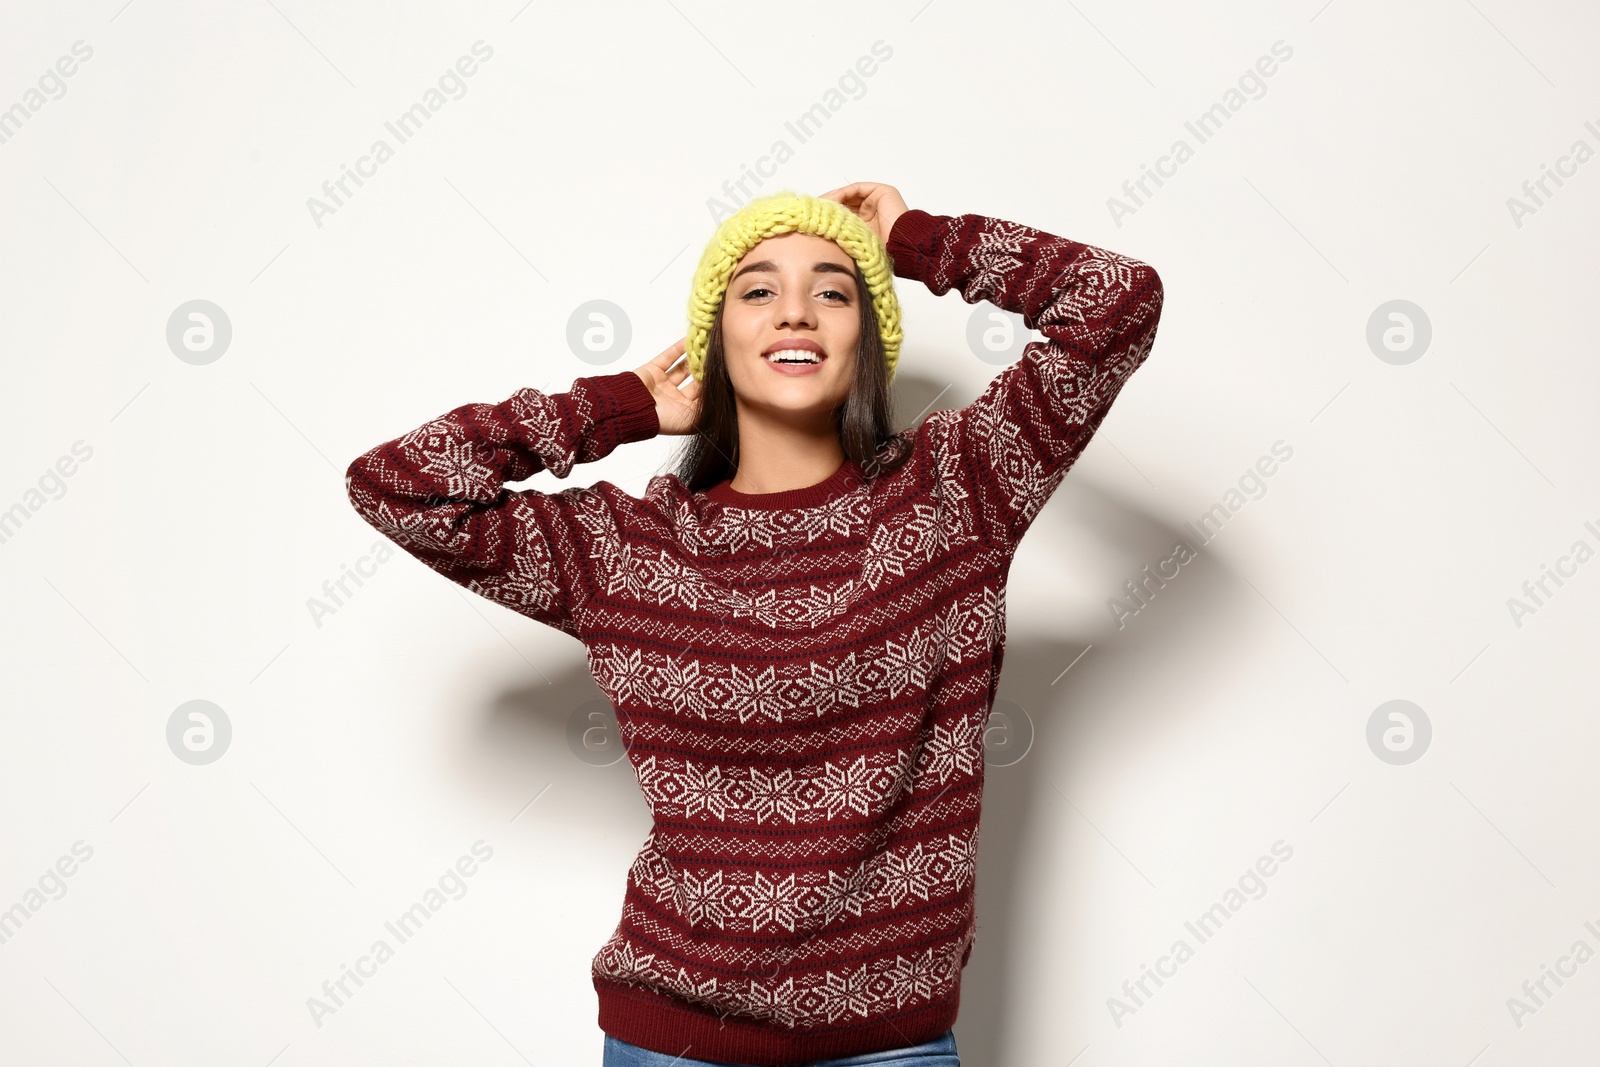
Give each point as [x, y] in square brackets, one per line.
[439, 492]
[1010, 448]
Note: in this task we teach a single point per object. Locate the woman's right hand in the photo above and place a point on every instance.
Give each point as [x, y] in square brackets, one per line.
[677, 405]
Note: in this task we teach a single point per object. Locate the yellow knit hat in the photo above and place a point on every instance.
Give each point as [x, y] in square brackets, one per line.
[789, 212]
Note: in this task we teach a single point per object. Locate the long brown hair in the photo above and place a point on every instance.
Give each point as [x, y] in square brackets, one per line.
[710, 454]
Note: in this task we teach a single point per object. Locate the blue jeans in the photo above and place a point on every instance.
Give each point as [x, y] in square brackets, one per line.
[940, 1052]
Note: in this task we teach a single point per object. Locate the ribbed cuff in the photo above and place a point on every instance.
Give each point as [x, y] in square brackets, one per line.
[627, 404]
[911, 243]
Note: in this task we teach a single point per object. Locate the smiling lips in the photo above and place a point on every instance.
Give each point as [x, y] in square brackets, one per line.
[795, 352]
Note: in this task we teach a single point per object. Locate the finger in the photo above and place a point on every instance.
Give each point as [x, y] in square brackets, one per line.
[669, 356]
[847, 193]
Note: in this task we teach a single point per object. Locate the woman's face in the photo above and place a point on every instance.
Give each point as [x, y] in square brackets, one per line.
[792, 289]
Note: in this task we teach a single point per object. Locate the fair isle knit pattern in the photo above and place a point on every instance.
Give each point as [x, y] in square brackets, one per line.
[802, 679]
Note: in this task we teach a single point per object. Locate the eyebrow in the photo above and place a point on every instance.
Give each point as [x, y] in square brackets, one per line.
[822, 266]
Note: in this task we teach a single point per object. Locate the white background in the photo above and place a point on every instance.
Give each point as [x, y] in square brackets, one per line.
[369, 752]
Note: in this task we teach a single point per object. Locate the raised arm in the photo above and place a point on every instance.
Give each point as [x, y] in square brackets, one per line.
[439, 492]
[1098, 311]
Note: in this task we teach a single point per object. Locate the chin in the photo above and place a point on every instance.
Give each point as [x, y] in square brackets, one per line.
[797, 393]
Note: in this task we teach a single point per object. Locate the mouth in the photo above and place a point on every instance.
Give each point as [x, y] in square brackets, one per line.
[797, 352]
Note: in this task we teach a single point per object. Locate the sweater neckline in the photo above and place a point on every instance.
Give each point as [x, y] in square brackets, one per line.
[835, 485]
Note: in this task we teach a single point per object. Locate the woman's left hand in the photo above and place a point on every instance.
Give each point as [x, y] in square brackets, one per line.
[878, 205]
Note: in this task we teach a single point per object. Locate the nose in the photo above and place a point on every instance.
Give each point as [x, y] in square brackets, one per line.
[793, 308]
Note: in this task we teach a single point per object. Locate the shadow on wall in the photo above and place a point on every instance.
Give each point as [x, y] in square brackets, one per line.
[523, 738]
[1023, 814]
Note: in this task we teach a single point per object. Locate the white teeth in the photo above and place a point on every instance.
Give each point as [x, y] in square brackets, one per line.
[792, 355]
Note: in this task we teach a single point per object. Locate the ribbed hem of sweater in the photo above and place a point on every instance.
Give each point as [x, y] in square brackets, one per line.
[676, 1028]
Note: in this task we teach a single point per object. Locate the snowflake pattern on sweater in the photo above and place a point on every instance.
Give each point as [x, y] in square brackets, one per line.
[801, 679]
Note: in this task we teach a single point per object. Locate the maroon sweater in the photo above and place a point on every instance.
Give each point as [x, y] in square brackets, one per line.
[801, 678]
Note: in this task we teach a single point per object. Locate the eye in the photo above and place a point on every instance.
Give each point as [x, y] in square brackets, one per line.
[835, 293]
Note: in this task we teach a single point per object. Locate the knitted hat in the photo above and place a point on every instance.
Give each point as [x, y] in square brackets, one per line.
[789, 212]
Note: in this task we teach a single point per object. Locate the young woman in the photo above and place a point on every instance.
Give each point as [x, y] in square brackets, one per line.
[801, 631]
